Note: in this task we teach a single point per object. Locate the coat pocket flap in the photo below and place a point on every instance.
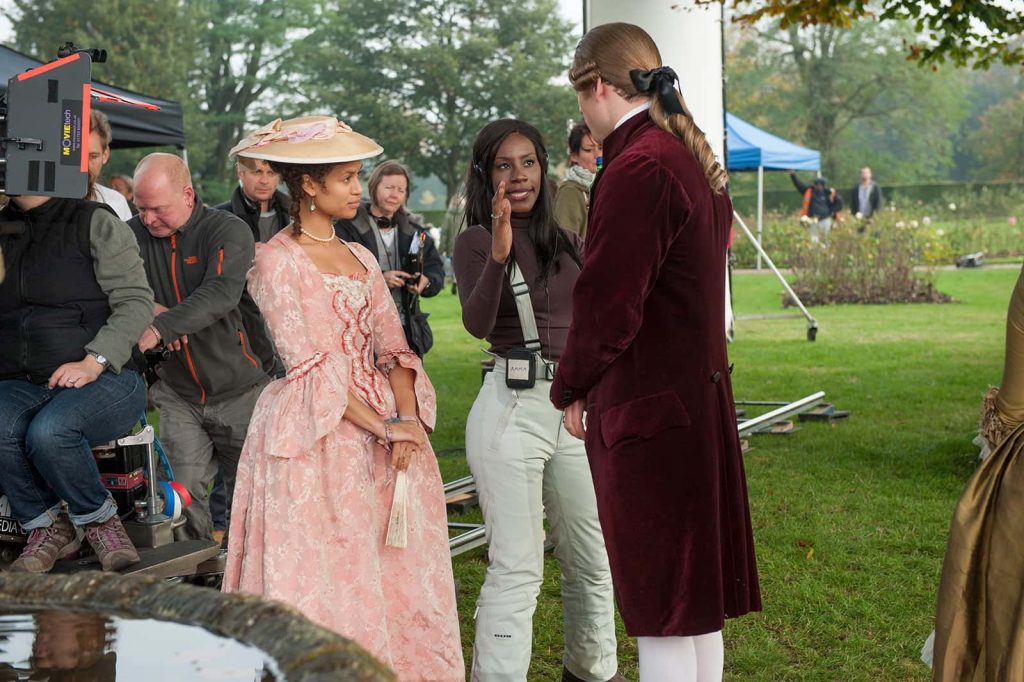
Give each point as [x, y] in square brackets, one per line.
[643, 418]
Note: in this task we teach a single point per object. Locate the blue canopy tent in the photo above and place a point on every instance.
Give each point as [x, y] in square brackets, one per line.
[752, 149]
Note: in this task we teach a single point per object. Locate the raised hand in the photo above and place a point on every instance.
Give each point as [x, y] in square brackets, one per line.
[501, 225]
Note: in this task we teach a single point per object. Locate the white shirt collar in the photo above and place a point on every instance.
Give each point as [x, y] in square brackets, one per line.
[633, 112]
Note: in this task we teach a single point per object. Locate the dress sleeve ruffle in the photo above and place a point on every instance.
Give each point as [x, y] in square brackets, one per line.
[426, 399]
[296, 412]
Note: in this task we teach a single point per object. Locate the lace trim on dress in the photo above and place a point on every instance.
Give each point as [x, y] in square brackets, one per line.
[303, 368]
[389, 359]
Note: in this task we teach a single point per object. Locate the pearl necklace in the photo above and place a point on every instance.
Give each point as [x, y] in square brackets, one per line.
[322, 240]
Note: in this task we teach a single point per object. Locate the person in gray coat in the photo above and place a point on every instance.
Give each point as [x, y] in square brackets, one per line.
[196, 258]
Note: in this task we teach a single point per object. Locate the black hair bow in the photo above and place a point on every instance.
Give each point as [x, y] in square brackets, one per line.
[661, 81]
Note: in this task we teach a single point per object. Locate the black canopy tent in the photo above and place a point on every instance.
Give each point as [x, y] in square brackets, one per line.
[133, 126]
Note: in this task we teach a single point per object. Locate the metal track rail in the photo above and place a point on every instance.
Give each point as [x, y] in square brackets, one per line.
[474, 534]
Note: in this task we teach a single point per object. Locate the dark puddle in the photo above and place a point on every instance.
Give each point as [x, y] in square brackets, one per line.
[67, 646]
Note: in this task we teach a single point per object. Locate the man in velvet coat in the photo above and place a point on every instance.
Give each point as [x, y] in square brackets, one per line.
[646, 358]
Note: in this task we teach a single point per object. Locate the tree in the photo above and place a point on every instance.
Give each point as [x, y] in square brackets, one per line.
[241, 59]
[998, 142]
[975, 158]
[144, 40]
[966, 32]
[423, 76]
[851, 94]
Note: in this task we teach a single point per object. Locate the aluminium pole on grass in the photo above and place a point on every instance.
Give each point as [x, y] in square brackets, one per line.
[812, 324]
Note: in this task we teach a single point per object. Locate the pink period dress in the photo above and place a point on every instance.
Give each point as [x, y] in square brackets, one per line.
[314, 491]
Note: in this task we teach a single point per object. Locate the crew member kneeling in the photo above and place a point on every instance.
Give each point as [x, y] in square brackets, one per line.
[73, 303]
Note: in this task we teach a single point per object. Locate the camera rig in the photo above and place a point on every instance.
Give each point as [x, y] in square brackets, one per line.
[44, 125]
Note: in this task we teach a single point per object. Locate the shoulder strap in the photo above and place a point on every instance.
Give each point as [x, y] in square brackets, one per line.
[527, 320]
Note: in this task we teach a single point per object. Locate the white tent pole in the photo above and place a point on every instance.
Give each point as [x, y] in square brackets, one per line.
[760, 211]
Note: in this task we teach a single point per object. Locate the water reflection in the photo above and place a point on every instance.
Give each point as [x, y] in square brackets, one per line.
[65, 646]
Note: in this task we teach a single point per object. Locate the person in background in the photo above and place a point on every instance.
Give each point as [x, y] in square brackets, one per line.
[123, 185]
[73, 304]
[257, 199]
[821, 206]
[100, 136]
[524, 462]
[646, 360]
[866, 196]
[572, 200]
[196, 258]
[384, 226]
[264, 208]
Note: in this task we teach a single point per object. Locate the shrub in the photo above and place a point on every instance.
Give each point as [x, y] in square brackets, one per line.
[873, 262]
[954, 232]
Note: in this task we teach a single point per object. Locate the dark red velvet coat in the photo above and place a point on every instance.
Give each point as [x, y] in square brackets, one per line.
[647, 350]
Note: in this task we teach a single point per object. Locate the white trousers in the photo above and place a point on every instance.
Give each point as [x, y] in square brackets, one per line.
[820, 229]
[525, 464]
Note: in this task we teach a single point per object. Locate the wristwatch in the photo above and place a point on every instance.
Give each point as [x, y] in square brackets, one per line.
[104, 363]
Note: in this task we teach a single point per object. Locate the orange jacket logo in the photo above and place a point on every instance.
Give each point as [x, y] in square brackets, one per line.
[191, 260]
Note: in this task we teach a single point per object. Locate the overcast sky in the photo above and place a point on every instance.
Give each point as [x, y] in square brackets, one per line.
[573, 11]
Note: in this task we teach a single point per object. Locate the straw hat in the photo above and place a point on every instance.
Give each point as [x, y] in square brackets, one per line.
[308, 140]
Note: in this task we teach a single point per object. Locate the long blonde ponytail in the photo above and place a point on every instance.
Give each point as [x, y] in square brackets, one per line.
[611, 52]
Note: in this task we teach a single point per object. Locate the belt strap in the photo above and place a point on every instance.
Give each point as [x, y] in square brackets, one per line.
[527, 320]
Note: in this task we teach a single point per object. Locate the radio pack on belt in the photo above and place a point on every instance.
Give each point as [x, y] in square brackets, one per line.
[521, 361]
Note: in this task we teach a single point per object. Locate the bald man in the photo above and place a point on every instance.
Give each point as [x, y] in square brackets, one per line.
[196, 259]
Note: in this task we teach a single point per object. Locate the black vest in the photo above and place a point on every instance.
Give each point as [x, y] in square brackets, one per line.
[50, 302]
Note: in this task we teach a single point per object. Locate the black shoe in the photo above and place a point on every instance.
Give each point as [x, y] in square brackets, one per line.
[569, 677]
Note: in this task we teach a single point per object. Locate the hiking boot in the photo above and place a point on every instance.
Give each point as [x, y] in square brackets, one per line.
[46, 545]
[111, 544]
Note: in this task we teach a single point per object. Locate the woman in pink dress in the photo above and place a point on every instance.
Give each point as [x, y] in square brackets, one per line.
[328, 442]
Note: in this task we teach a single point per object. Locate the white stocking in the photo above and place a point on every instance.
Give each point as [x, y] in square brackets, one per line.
[681, 659]
[667, 659]
[710, 656]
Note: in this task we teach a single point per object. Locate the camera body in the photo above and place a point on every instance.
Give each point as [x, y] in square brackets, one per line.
[44, 127]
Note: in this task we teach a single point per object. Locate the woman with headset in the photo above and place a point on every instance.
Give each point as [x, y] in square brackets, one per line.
[525, 464]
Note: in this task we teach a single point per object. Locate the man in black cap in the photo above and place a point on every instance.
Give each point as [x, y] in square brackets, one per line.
[821, 206]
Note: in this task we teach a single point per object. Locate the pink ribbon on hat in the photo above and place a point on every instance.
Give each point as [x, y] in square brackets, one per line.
[273, 132]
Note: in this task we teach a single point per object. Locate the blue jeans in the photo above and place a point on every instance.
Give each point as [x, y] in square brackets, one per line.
[45, 445]
[219, 503]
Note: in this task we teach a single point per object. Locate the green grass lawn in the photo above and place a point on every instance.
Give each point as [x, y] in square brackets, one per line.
[871, 497]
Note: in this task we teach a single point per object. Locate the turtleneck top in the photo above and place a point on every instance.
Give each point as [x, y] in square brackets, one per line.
[488, 306]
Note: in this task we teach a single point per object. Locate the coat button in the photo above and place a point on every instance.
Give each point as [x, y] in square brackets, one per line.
[716, 377]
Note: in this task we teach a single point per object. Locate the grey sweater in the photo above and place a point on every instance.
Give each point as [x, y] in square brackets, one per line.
[121, 276]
